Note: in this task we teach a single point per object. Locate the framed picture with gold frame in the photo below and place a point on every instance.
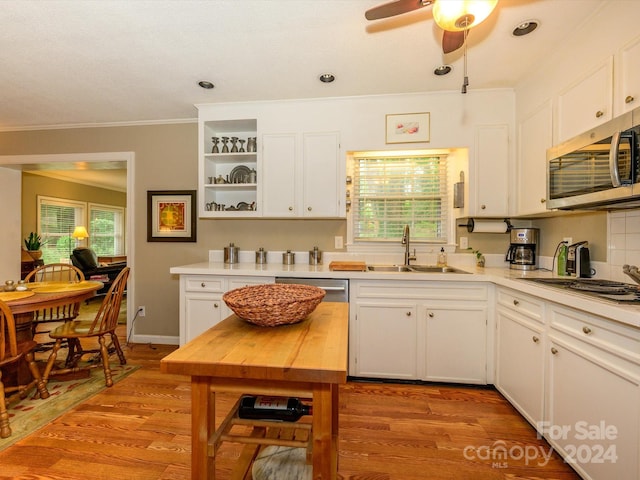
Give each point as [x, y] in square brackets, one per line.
[171, 216]
[408, 127]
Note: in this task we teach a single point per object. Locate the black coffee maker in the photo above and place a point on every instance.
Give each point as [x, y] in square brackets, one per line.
[523, 251]
[579, 260]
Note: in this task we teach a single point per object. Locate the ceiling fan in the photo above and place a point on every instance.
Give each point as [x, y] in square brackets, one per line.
[455, 17]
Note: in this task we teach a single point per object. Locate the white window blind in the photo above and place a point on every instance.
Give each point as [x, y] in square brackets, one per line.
[393, 191]
[57, 219]
[106, 229]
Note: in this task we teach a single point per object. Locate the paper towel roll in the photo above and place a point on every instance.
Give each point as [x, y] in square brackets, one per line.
[487, 226]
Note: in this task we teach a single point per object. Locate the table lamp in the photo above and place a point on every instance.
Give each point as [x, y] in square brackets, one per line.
[80, 233]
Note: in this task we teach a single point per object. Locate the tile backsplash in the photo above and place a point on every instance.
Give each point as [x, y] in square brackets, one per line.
[624, 242]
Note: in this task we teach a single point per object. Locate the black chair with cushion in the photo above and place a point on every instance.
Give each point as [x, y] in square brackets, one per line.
[87, 261]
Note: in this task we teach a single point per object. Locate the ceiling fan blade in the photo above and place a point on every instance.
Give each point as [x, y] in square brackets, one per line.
[452, 41]
[392, 9]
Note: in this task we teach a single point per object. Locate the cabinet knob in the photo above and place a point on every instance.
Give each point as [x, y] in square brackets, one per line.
[629, 99]
[554, 350]
[586, 330]
[483, 207]
[431, 315]
[309, 209]
[599, 113]
[291, 209]
[543, 200]
[516, 303]
[215, 305]
[203, 284]
[535, 339]
[408, 314]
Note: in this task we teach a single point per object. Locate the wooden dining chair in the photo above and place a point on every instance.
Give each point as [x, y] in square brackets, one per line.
[77, 331]
[13, 352]
[54, 272]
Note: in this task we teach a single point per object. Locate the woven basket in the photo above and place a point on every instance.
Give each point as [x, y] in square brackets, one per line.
[274, 304]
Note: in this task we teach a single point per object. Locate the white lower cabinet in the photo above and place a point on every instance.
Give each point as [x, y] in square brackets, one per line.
[456, 347]
[433, 331]
[386, 340]
[520, 352]
[201, 304]
[593, 397]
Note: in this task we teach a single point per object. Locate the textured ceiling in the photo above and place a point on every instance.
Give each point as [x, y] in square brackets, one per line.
[79, 62]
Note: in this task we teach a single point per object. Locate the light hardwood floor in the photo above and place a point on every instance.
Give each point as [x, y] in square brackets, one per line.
[140, 429]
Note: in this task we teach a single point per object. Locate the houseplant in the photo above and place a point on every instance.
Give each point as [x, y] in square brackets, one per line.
[33, 243]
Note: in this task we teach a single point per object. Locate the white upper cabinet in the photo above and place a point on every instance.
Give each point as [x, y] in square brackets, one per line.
[491, 178]
[628, 87]
[535, 135]
[301, 175]
[279, 177]
[586, 103]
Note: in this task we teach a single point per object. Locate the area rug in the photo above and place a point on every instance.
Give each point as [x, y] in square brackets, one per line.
[30, 414]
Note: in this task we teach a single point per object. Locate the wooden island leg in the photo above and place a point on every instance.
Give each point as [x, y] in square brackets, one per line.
[203, 417]
[325, 461]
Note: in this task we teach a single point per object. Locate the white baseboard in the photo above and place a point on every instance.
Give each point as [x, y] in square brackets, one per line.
[159, 339]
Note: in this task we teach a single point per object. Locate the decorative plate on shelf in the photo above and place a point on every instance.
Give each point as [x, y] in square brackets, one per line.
[239, 174]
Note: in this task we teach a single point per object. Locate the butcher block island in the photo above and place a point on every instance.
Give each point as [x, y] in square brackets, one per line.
[306, 359]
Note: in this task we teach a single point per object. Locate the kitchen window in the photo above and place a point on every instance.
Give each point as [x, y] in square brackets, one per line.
[393, 189]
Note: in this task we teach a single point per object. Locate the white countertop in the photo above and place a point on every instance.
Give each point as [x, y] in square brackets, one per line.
[626, 314]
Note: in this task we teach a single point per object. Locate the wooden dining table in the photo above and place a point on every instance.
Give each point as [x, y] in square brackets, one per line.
[306, 359]
[43, 295]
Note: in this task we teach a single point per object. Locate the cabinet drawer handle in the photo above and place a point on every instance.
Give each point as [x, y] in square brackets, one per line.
[535, 339]
[408, 314]
[431, 315]
[629, 99]
[309, 209]
[599, 113]
[586, 330]
[554, 350]
[516, 303]
[483, 207]
[291, 209]
[203, 284]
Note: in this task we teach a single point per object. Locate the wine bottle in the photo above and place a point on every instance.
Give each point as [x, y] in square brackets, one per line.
[264, 407]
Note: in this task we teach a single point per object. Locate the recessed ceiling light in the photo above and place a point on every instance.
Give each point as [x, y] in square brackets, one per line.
[327, 78]
[525, 28]
[206, 85]
[442, 70]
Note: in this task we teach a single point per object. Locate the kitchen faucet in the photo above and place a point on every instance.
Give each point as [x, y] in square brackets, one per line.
[405, 241]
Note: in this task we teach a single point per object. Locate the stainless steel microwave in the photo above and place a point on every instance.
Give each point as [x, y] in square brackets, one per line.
[598, 169]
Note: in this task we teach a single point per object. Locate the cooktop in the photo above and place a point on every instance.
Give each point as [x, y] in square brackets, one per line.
[609, 290]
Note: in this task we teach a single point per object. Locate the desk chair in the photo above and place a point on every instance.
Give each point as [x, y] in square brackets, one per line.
[13, 352]
[104, 324]
[54, 272]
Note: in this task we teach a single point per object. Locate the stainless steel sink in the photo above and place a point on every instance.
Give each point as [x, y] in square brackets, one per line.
[413, 269]
[388, 268]
[435, 269]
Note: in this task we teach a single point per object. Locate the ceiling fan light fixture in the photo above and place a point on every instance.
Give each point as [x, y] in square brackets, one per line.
[458, 15]
[327, 77]
[442, 70]
[525, 28]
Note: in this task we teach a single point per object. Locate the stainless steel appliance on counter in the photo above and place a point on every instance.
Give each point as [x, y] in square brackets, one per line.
[579, 260]
[523, 251]
[599, 169]
[337, 289]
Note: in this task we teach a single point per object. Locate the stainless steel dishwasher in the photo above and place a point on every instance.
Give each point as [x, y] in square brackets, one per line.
[337, 289]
